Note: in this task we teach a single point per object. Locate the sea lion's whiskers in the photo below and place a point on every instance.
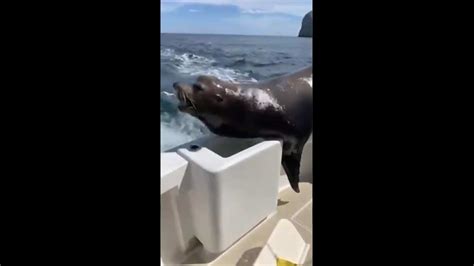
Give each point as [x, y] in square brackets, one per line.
[186, 98]
[192, 103]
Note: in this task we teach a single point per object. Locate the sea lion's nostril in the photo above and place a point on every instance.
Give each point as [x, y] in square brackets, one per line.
[176, 84]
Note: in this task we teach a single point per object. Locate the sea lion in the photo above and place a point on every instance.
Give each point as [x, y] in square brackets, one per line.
[278, 108]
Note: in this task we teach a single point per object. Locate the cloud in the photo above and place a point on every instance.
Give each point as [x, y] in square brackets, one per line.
[292, 7]
[255, 11]
[169, 6]
[230, 19]
[265, 24]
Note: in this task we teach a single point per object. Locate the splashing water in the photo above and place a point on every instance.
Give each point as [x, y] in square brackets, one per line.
[232, 58]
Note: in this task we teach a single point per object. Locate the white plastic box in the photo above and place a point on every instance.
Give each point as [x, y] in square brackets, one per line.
[227, 196]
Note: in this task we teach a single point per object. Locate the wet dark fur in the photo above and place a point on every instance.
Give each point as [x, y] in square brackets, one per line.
[231, 116]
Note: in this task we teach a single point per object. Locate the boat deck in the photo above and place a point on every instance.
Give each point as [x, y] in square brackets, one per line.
[296, 207]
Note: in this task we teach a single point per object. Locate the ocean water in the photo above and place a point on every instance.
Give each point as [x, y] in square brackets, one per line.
[183, 57]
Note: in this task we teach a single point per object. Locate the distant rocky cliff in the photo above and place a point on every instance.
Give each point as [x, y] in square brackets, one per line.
[307, 25]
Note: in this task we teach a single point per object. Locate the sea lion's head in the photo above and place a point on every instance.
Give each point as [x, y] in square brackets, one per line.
[208, 95]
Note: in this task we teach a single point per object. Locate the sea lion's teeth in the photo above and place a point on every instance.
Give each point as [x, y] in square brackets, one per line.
[190, 103]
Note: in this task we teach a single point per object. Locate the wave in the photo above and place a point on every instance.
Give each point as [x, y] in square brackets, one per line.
[194, 65]
[231, 58]
[166, 52]
[178, 129]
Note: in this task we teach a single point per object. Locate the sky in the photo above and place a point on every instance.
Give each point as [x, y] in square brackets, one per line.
[246, 17]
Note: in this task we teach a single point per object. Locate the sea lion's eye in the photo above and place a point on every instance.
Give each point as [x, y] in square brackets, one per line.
[219, 98]
[198, 87]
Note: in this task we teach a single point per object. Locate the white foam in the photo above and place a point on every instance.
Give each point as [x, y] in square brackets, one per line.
[167, 52]
[179, 129]
[196, 65]
[167, 93]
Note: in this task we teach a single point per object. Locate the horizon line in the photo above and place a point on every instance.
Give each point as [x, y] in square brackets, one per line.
[233, 34]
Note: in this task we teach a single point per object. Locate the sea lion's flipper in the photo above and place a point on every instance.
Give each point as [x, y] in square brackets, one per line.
[291, 164]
